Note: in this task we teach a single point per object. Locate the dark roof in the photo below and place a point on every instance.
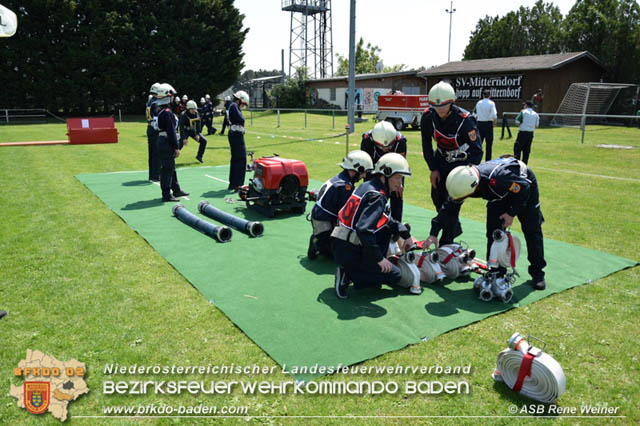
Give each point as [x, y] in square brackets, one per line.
[367, 76]
[515, 63]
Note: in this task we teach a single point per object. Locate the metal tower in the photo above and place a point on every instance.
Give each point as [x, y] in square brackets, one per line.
[310, 39]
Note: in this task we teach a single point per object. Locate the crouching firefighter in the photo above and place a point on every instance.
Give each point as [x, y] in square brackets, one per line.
[511, 189]
[361, 239]
[333, 194]
[191, 126]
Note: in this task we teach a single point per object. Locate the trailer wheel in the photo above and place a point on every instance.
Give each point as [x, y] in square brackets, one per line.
[398, 124]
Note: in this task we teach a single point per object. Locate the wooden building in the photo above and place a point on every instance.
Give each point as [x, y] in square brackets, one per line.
[516, 79]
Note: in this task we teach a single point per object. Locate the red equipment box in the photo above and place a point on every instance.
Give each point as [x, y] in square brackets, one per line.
[403, 102]
[278, 168]
[92, 130]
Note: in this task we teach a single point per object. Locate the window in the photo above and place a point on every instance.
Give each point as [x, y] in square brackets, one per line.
[332, 94]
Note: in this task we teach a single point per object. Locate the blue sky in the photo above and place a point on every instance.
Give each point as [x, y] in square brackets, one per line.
[411, 32]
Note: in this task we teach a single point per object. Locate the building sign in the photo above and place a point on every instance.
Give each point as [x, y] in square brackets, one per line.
[505, 87]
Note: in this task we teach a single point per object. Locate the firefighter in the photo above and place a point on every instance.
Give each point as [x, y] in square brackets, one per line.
[331, 197]
[152, 134]
[457, 140]
[361, 239]
[511, 189]
[238, 166]
[225, 113]
[182, 106]
[191, 126]
[207, 116]
[168, 145]
[384, 138]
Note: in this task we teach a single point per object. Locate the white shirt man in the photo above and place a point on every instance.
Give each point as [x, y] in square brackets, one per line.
[487, 117]
[529, 120]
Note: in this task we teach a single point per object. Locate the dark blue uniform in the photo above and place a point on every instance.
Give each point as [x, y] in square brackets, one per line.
[510, 187]
[333, 194]
[207, 116]
[191, 126]
[457, 141]
[225, 119]
[167, 145]
[238, 165]
[151, 111]
[375, 151]
[364, 214]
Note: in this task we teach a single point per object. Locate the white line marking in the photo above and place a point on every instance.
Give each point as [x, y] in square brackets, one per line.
[586, 174]
[218, 179]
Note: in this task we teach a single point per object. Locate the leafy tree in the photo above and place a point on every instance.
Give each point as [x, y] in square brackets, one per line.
[293, 92]
[534, 31]
[367, 58]
[610, 29]
[92, 56]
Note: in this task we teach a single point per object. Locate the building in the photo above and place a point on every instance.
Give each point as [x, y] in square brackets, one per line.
[516, 79]
[368, 87]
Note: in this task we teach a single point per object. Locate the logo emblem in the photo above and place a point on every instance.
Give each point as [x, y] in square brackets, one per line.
[36, 396]
[515, 188]
[473, 135]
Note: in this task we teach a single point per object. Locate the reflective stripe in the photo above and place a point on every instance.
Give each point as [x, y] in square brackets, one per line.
[237, 128]
[345, 234]
[162, 134]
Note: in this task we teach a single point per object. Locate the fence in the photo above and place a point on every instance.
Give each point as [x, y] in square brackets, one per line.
[553, 118]
[307, 112]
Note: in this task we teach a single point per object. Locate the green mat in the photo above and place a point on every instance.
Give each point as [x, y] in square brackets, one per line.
[286, 303]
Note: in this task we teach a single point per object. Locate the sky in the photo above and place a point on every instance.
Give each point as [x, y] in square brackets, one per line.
[411, 32]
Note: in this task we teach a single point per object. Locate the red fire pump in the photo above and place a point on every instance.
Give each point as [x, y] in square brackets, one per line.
[278, 184]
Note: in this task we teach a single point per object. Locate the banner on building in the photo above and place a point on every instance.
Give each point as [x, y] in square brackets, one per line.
[502, 87]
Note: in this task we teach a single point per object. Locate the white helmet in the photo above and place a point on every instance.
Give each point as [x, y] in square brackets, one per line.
[227, 98]
[192, 104]
[390, 164]
[207, 97]
[243, 96]
[164, 90]
[383, 133]
[176, 100]
[154, 88]
[202, 100]
[442, 94]
[358, 161]
[462, 182]
[185, 97]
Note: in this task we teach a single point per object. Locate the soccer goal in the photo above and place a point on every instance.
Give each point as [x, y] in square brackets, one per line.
[590, 103]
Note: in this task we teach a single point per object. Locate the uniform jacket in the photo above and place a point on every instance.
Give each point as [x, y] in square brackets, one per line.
[333, 194]
[399, 145]
[168, 123]
[190, 125]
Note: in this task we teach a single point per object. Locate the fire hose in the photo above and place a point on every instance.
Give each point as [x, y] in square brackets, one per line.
[253, 229]
[220, 233]
[530, 371]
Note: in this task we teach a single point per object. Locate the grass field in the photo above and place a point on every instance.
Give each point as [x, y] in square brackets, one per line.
[79, 283]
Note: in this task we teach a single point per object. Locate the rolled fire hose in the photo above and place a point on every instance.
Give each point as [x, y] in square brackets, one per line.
[429, 267]
[530, 371]
[221, 233]
[410, 274]
[453, 259]
[505, 250]
[254, 229]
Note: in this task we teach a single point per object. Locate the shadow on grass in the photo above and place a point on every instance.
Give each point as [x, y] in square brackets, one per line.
[146, 204]
[467, 299]
[322, 265]
[360, 303]
[137, 183]
[520, 401]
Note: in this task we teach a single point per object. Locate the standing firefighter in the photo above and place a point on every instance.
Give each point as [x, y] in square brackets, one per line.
[152, 134]
[225, 114]
[380, 140]
[511, 189]
[191, 126]
[236, 140]
[207, 115]
[331, 198]
[457, 140]
[168, 145]
[361, 239]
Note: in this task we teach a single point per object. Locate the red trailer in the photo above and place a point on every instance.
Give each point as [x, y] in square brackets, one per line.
[402, 110]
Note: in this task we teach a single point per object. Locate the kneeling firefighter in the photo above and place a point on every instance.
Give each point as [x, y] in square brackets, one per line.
[361, 239]
[333, 194]
[511, 189]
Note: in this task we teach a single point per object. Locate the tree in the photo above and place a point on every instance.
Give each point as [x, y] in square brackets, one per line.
[367, 59]
[610, 29]
[92, 56]
[534, 31]
[293, 92]
[243, 82]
